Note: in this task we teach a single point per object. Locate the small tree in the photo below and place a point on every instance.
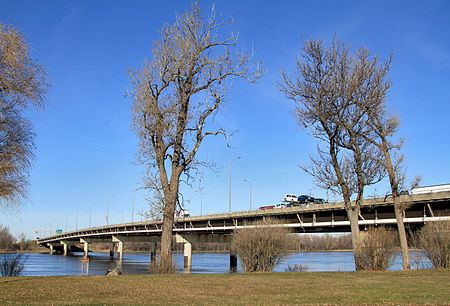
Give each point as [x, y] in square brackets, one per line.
[261, 246]
[434, 239]
[176, 94]
[6, 239]
[376, 251]
[23, 83]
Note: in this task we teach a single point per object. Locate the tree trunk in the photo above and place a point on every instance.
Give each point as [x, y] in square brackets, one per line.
[397, 206]
[402, 235]
[353, 215]
[167, 232]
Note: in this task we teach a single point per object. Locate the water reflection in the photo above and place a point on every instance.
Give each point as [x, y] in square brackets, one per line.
[138, 263]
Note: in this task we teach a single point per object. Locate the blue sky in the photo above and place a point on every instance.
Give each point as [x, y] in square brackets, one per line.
[86, 150]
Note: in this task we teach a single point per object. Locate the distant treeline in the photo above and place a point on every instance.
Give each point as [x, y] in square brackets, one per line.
[306, 242]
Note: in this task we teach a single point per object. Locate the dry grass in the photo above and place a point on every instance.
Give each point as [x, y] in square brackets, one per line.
[404, 287]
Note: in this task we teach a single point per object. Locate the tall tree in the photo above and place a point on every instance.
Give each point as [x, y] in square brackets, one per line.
[175, 94]
[383, 126]
[327, 82]
[23, 83]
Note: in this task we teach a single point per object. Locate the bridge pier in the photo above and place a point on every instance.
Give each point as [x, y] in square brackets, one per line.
[153, 252]
[188, 239]
[86, 250]
[111, 249]
[119, 241]
[233, 261]
[187, 249]
[51, 248]
[67, 247]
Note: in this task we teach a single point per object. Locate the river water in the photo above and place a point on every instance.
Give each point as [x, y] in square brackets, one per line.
[138, 263]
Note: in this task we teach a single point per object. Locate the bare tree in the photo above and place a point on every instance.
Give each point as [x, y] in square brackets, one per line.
[6, 239]
[23, 83]
[382, 126]
[326, 85]
[176, 93]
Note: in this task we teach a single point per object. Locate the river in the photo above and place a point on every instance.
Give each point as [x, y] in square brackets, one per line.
[138, 263]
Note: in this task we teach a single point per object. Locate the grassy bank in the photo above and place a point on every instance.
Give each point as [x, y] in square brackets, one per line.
[418, 286]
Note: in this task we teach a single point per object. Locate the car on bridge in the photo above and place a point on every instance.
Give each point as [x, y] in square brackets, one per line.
[305, 199]
[290, 198]
[281, 205]
[267, 207]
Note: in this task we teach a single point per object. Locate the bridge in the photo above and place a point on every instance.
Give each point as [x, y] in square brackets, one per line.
[218, 228]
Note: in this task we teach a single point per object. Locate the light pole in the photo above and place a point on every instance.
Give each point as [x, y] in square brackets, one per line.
[76, 221]
[90, 215]
[200, 191]
[107, 212]
[132, 209]
[250, 192]
[229, 185]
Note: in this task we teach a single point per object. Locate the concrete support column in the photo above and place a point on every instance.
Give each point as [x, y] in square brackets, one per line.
[233, 261]
[187, 248]
[119, 241]
[111, 250]
[187, 255]
[51, 248]
[153, 252]
[65, 247]
[120, 250]
[86, 249]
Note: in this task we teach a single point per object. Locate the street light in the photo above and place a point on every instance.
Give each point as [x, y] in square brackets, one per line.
[250, 192]
[90, 215]
[107, 212]
[229, 185]
[200, 191]
[132, 209]
[76, 221]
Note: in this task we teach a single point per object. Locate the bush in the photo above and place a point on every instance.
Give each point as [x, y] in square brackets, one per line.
[296, 268]
[12, 264]
[376, 251]
[434, 239]
[261, 246]
[157, 268]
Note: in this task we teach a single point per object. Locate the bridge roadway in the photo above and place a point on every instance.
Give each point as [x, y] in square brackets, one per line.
[313, 218]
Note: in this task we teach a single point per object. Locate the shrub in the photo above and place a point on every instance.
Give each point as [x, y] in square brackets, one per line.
[376, 251]
[12, 264]
[157, 268]
[434, 239]
[261, 246]
[296, 268]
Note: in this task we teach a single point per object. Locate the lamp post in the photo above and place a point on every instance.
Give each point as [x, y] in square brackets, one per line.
[229, 185]
[107, 212]
[90, 215]
[76, 221]
[200, 191]
[250, 192]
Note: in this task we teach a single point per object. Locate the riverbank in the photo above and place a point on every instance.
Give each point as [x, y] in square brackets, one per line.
[392, 287]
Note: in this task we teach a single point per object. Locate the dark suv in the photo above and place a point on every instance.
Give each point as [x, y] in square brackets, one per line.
[305, 199]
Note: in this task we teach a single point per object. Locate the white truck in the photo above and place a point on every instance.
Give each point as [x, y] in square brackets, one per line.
[290, 198]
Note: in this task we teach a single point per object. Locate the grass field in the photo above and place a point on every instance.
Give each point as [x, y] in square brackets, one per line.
[397, 287]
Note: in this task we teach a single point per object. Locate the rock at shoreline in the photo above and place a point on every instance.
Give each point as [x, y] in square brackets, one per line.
[113, 272]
